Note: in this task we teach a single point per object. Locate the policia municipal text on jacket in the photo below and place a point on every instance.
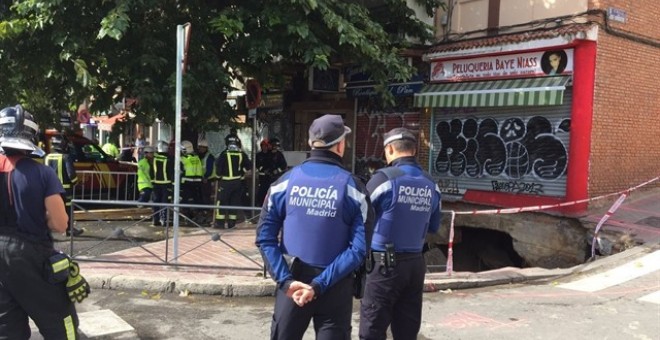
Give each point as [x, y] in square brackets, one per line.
[232, 165]
[35, 280]
[321, 212]
[407, 205]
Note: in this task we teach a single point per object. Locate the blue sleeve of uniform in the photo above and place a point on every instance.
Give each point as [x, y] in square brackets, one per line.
[434, 221]
[380, 192]
[210, 160]
[268, 231]
[358, 207]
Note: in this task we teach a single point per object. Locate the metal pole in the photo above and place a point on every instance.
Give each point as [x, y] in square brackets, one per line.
[177, 137]
[254, 159]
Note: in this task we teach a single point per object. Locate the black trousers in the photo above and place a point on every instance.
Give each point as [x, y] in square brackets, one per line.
[145, 195]
[232, 193]
[331, 312]
[393, 298]
[161, 194]
[264, 185]
[191, 193]
[25, 292]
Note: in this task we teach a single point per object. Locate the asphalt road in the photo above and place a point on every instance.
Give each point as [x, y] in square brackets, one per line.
[535, 310]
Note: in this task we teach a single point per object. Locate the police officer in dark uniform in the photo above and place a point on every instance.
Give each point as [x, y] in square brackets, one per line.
[162, 175]
[232, 165]
[60, 161]
[31, 206]
[321, 211]
[407, 205]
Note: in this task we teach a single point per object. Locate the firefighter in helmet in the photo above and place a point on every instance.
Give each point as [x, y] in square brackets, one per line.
[232, 165]
[36, 281]
[61, 161]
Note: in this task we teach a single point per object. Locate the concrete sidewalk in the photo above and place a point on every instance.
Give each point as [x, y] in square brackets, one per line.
[226, 262]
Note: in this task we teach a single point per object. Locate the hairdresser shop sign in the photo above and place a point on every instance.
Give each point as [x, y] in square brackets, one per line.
[540, 63]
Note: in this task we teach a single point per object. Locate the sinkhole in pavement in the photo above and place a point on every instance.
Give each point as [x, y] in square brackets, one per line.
[478, 249]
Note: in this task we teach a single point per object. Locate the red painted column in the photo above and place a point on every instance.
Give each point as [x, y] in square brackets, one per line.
[584, 74]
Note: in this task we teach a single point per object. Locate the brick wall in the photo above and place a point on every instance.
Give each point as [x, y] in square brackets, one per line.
[625, 148]
[641, 15]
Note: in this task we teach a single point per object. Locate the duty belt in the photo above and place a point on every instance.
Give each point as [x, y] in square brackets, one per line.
[380, 256]
[387, 260]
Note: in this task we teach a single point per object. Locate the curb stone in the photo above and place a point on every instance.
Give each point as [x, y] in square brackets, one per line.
[244, 286]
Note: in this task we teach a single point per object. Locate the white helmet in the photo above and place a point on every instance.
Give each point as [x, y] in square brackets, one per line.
[162, 146]
[203, 143]
[187, 147]
[17, 129]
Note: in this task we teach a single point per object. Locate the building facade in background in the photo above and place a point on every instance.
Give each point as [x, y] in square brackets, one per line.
[542, 102]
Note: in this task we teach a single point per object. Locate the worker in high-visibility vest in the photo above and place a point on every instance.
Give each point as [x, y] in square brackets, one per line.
[60, 161]
[232, 165]
[191, 180]
[145, 187]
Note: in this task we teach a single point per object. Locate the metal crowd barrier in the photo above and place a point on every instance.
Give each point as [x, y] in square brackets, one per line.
[106, 185]
[169, 258]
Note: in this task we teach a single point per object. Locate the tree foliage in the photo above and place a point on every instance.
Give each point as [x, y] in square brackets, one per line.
[54, 54]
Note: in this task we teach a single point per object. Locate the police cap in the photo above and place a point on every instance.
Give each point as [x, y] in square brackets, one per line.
[398, 134]
[326, 131]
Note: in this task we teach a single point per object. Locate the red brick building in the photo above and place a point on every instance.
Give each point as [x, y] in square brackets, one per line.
[542, 104]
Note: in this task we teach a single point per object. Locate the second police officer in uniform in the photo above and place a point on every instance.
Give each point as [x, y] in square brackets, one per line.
[321, 211]
[407, 205]
[60, 161]
[232, 165]
[34, 278]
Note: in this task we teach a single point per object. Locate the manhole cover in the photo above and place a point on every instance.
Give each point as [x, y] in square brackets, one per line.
[652, 221]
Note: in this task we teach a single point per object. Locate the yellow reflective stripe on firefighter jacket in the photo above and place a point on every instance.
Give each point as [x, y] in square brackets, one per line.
[65, 172]
[234, 168]
[160, 170]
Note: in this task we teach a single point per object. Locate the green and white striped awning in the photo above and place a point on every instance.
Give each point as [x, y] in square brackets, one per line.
[509, 92]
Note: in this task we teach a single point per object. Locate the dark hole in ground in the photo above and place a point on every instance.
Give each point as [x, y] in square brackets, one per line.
[479, 249]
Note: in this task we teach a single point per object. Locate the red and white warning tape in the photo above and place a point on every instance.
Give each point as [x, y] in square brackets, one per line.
[623, 194]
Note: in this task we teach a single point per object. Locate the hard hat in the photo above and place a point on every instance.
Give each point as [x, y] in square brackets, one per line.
[264, 142]
[17, 129]
[187, 147]
[148, 149]
[233, 139]
[203, 143]
[59, 143]
[162, 146]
